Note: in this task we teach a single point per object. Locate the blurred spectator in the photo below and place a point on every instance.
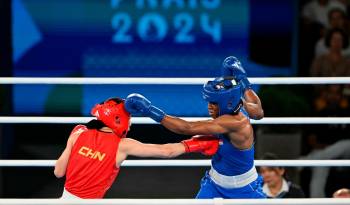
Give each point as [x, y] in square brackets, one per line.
[316, 11]
[330, 102]
[319, 175]
[337, 20]
[313, 26]
[333, 63]
[275, 181]
[327, 141]
[342, 193]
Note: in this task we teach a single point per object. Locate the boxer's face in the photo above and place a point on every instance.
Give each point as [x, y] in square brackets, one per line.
[213, 110]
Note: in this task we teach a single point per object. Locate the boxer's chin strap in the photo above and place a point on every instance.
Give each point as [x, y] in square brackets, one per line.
[238, 108]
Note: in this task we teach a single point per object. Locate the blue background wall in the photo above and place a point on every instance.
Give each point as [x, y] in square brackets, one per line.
[140, 38]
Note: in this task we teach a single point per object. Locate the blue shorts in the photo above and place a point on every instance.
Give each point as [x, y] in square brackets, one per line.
[210, 190]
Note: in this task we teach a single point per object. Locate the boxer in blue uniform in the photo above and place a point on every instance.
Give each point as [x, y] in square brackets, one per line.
[231, 103]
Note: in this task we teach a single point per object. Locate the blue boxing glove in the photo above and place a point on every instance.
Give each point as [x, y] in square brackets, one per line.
[232, 67]
[138, 104]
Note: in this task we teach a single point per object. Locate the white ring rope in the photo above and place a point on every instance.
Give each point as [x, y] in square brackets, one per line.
[216, 201]
[142, 120]
[187, 163]
[146, 120]
[169, 81]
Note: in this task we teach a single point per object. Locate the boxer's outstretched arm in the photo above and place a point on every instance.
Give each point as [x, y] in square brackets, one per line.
[139, 149]
[205, 127]
[207, 145]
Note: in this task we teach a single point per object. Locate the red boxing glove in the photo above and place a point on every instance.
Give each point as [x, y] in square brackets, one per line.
[205, 144]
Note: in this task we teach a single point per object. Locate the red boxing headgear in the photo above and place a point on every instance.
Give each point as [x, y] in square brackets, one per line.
[113, 115]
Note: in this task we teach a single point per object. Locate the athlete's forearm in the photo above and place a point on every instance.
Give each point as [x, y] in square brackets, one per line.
[177, 125]
[173, 150]
[253, 105]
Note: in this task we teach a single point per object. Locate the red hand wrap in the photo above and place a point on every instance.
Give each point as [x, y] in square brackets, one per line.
[205, 144]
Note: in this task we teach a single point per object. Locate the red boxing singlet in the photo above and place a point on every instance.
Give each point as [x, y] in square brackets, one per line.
[92, 169]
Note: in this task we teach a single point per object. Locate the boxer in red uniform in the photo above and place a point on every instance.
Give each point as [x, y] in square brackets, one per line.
[95, 151]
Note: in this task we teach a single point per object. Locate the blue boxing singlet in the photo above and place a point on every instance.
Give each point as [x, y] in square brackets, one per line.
[231, 161]
[233, 174]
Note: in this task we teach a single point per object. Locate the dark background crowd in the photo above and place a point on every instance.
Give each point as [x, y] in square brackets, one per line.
[323, 33]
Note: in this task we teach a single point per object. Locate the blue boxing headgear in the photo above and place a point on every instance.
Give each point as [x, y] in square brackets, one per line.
[225, 92]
